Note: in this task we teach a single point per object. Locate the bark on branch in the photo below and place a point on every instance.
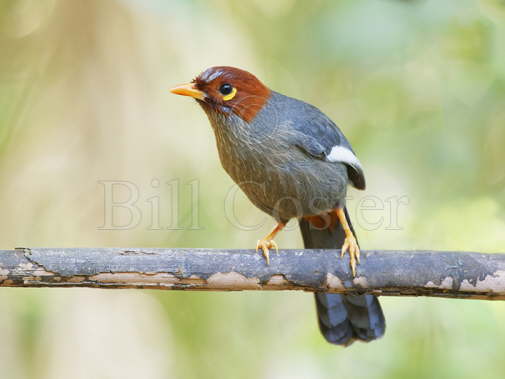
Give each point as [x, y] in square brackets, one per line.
[397, 273]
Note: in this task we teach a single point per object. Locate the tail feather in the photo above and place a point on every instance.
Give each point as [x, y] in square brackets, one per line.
[333, 318]
[343, 318]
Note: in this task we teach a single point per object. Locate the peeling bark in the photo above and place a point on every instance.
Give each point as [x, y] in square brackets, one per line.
[394, 273]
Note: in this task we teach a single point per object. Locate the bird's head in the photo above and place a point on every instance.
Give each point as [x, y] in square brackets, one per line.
[226, 90]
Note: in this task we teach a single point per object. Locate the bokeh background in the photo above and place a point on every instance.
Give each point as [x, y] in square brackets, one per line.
[417, 86]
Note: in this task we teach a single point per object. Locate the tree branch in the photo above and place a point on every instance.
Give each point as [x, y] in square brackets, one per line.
[397, 273]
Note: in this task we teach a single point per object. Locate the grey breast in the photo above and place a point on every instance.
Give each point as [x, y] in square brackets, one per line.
[275, 175]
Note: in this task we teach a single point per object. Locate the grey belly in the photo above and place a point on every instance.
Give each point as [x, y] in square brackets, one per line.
[294, 187]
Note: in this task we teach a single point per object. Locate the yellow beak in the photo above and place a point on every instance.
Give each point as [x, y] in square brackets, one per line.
[188, 90]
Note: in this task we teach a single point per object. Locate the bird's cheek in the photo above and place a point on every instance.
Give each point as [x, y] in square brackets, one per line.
[225, 108]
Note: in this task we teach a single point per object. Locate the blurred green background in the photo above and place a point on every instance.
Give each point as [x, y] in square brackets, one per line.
[417, 86]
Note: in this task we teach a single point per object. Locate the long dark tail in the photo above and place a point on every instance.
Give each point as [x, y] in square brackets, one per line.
[343, 318]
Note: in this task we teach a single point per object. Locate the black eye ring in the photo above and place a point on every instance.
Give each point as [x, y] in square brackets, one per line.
[225, 89]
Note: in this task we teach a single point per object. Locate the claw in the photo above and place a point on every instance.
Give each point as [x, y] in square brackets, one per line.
[274, 245]
[345, 246]
[351, 244]
[265, 246]
[268, 243]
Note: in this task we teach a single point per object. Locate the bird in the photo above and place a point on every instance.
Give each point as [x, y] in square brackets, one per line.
[292, 162]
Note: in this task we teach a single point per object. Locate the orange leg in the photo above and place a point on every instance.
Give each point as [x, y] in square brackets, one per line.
[268, 242]
[350, 242]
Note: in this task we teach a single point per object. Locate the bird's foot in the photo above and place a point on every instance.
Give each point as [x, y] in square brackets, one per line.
[265, 245]
[351, 245]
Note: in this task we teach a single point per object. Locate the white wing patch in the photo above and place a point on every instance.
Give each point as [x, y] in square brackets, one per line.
[344, 155]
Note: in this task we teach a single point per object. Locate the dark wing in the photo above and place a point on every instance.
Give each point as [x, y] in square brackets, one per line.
[319, 137]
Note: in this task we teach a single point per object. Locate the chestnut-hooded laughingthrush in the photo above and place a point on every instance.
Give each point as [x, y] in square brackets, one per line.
[291, 161]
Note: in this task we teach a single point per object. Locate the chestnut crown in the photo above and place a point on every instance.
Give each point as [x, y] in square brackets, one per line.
[229, 89]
